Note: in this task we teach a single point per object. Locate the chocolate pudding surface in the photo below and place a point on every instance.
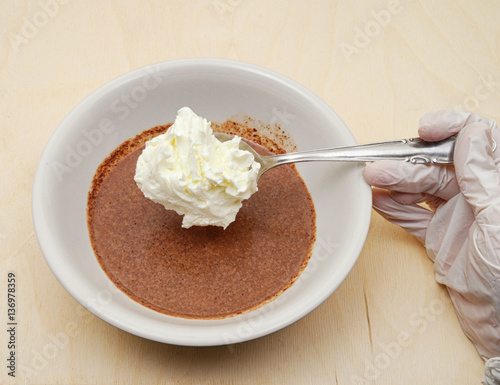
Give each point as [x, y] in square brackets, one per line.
[200, 272]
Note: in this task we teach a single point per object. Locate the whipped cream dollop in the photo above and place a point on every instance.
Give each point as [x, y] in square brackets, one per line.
[187, 169]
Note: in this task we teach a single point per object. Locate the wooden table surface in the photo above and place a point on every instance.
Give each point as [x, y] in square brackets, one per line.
[379, 64]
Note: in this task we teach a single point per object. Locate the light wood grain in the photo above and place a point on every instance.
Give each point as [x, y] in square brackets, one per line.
[389, 322]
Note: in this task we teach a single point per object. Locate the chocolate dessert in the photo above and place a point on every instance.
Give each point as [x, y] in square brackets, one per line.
[200, 272]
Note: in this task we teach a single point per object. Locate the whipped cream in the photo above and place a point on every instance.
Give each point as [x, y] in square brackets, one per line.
[187, 169]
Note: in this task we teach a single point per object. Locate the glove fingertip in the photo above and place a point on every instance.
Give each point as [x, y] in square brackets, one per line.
[441, 124]
[370, 173]
[383, 173]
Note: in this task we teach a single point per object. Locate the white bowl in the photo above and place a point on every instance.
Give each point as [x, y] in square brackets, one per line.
[215, 89]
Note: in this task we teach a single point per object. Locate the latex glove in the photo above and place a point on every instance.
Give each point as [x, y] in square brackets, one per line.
[461, 231]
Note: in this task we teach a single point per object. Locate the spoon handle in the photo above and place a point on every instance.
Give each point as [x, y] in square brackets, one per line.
[413, 150]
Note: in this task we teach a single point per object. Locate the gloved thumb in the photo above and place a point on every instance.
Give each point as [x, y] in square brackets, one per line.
[479, 180]
[477, 174]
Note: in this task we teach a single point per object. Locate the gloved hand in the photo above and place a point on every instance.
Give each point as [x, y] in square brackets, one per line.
[461, 228]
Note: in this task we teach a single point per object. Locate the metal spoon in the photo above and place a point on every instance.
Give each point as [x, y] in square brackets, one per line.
[413, 150]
